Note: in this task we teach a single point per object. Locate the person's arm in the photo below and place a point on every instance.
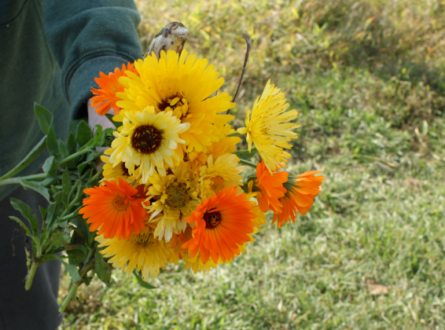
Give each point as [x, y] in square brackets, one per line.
[87, 37]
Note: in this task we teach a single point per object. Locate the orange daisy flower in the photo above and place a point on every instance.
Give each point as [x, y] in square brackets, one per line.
[299, 197]
[116, 209]
[270, 186]
[106, 98]
[222, 223]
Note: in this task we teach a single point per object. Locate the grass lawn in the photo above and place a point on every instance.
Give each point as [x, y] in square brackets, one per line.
[366, 77]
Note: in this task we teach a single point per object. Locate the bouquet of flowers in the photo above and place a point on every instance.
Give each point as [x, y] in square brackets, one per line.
[172, 184]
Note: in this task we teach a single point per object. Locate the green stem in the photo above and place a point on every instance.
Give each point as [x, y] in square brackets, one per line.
[76, 284]
[246, 162]
[246, 152]
[70, 295]
[30, 276]
[73, 156]
[94, 177]
[233, 134]
[19, 179]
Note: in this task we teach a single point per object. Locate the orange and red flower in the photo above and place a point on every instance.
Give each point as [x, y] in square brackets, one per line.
[299, 197]
[106, 98]
[222, 224]
[271, 188]
[116, 209]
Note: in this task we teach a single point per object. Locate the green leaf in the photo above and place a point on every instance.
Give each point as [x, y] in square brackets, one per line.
[26, 211]
[66, 184]
[35, 239]
[72, 215]
[141, 282]
[50, 218]
[102, 268]
[21, 224]
[45, 118]
[63, 149]
[108, 137]
[74, 273]
[51, 142]
[47, 181]
[72, 127]
[98, 136]
[49, 164]
[59, 239]
[77, 254]
[71, 143]
[58, 197]
[33, 154]
[115, 123]
[84, 133]
[49, 257]
[90, 158]
[36, 187]
[43, 212]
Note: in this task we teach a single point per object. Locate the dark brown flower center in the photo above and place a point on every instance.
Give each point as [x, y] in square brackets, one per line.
[177, 103]
[212, 219]
[146, 139]
[177, 195]
[124, 169]
[120, 203]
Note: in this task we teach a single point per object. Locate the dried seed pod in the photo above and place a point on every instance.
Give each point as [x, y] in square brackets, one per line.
[173, 36]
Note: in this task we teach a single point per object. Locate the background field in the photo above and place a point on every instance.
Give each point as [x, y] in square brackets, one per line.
[367, 78]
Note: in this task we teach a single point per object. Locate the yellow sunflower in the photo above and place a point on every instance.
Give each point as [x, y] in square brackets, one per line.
[148, 140]
[226, 145]
[217, 175]
[141, 252]
[181, 85]
[173, 197]
[268, 127]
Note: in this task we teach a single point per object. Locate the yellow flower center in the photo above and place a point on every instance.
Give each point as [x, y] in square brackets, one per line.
[120, 203]
[212, 219]
[178, 104]
[177, 195]
[146, 139]
[144, 239]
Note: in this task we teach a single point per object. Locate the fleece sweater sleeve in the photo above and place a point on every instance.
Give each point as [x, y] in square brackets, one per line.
[87, 37]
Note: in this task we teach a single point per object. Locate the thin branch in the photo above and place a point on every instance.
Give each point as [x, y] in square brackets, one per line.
[246, 58]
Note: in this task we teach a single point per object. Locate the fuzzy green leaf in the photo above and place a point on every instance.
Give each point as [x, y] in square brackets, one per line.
[74, 273]
[29, 158]
[63, 149]
[84, 133]
[142, 283]
[59, 239]
[26, 211]
[49, 164]
[102, 268]
[51, 142]
[36, 187]
[45, 118]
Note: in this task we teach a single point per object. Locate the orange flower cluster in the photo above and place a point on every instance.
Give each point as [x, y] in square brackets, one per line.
[286, 194]
[106, 98]
[173, 186]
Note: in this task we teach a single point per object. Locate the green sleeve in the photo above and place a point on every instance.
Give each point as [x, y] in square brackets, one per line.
[87, 37]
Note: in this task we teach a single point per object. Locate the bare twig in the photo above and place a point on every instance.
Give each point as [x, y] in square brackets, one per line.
[246, 57]
[173, 36]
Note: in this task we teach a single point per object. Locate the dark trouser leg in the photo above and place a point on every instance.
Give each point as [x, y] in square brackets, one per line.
[21, 309]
